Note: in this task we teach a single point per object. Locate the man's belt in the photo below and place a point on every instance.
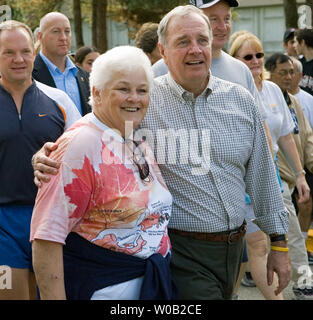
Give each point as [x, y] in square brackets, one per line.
[225, 236]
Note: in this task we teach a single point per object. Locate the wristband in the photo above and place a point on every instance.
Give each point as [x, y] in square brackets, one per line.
[281, 249]
[278, 237]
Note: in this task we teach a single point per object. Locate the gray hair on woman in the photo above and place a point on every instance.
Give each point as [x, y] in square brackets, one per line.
[118, 59]
[180, 11]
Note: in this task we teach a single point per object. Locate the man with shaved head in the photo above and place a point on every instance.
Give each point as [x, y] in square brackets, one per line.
[52, 65]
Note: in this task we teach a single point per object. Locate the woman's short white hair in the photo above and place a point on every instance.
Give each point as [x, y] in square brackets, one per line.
[181, 11]
[118, 59]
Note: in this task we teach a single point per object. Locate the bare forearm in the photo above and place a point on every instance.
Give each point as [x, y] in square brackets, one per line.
[288, 147]
[48, 267]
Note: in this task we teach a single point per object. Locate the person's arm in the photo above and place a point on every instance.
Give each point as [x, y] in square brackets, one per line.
[288, 147]
[279, 262]
[48, 267]
[308, 148]
[269, 138]
[44, 166]
[271, 215]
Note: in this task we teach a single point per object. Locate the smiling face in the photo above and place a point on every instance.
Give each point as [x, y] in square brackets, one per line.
[220, 19]
[188, 52]
[16, 56]
[124, 98]
[252, 57]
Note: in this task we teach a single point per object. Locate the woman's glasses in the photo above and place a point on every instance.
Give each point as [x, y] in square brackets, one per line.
[139, 159]
[249, 57]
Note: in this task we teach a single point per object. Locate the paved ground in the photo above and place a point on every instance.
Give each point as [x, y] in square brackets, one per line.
[247, 293]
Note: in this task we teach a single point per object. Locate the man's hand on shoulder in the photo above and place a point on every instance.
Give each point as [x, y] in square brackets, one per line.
[44, 166]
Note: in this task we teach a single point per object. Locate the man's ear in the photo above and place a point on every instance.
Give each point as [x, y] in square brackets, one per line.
[39, 35]
[162, 52]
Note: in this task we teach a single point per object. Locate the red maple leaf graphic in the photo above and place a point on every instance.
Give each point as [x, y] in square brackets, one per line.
[114, 197]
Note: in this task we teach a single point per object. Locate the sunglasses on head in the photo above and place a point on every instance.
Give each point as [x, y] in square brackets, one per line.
[249, 57]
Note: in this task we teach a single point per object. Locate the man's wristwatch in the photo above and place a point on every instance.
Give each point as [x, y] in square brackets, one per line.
[278, 237]
[298, 173]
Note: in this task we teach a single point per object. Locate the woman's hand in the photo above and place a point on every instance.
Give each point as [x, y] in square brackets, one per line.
[43, 165]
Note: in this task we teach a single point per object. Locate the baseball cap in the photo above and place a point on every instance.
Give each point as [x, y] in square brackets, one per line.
[289, 33]
[201, 4]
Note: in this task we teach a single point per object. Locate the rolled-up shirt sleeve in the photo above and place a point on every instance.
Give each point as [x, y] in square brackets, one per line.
[262, 185]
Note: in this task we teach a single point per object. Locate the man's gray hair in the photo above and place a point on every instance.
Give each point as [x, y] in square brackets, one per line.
[13, 24]
[181, 11]
[298, 64]
[118, 59]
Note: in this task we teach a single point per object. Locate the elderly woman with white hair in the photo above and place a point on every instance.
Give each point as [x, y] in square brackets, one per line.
[99, 227]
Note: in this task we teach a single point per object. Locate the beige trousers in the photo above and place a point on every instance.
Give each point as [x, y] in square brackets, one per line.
[296, 242]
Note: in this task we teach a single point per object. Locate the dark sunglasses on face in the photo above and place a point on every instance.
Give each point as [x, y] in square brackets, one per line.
[249, 57]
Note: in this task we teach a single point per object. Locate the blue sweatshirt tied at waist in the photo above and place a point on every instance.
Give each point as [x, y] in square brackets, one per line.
[89, 267]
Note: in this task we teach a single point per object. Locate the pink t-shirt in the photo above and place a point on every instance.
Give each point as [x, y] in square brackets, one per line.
[99, 194]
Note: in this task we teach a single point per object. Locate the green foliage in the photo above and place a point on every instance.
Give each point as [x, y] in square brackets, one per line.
[30, 12]
[136, 12]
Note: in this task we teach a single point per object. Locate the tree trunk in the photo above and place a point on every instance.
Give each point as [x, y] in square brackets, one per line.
[94, 23]
[78, 23]
[101, 25]
[291, 13]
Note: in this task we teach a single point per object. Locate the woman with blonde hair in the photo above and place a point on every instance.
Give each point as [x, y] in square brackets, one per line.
[248, 48]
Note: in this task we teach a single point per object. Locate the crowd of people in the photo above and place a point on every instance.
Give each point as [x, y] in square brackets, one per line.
[98, 201]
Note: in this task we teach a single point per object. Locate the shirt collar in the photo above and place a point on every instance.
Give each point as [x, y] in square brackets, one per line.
[185, 95]
[70, 66]
[112, 133]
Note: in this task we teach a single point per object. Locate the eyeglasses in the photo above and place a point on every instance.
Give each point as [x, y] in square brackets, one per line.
[139, 159]
[283, 73]
[249, 57]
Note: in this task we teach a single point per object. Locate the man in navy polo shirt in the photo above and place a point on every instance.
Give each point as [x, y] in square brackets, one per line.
[28, 119]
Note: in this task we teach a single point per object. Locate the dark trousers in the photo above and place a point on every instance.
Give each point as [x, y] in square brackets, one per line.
[205, 270]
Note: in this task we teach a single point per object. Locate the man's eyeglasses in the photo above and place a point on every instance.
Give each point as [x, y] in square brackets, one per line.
[139, 159]
[249, 57]
[283, 73]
